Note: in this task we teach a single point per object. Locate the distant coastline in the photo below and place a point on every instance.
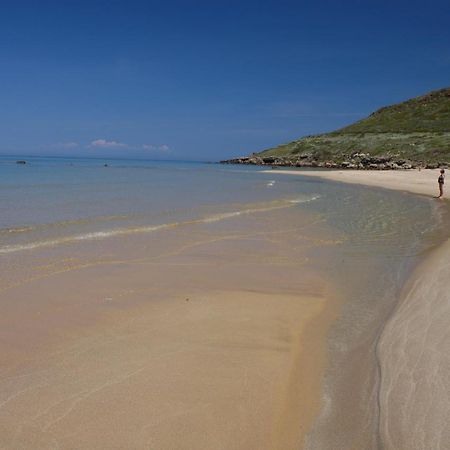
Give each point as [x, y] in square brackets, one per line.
[407, 135]
[360, 161]
[422, 182]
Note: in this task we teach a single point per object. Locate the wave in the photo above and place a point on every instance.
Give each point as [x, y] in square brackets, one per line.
[104, 234]
[64, 223]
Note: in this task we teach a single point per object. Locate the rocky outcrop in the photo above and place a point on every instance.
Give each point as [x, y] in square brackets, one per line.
[361, 161]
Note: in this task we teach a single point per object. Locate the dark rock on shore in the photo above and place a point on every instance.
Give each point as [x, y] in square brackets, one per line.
[360, 161]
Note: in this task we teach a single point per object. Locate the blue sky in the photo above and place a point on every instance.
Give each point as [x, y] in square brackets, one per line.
[205, 80]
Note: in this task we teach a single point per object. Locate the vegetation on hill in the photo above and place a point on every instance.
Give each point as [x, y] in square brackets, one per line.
[429, 113]
[408, 134]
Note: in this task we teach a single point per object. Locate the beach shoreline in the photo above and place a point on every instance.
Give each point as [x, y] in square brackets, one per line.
[413, 344]
[165, 349]
[414, 181]
[413, 351]
[209, 331]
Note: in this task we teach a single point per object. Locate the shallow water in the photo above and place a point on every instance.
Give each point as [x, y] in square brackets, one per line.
[60, 214]
[57, 200]
[51, 201]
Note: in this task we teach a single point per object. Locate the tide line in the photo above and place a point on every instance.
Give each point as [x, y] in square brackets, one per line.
[104, 234]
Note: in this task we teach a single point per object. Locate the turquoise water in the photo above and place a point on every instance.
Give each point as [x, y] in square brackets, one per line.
[53, 190]
[49, 201]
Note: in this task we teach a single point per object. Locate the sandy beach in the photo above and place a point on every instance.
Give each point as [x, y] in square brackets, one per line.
[163, 351]
[245, 325]
[423, 182]
[414, 346]
[414, 356]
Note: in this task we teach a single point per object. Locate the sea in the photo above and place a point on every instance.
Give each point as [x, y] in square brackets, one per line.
[54, 201]
[51, 201]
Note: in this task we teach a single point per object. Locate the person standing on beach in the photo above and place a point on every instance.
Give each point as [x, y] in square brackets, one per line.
[441, 183]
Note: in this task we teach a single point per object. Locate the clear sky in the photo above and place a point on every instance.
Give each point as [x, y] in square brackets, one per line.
[205, 80]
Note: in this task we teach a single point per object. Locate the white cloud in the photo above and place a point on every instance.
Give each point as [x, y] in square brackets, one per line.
[160, 148]
[103, 143]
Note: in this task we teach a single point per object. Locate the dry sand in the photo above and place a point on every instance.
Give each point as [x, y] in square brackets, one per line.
[174, 350]
[414, 346]
[422, 182]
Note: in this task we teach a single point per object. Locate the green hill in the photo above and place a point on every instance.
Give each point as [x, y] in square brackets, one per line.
[429, 113]
[412, 133]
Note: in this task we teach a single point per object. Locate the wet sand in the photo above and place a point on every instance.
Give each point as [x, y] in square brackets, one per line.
[172, 350]
[414, 345]
[414, 356]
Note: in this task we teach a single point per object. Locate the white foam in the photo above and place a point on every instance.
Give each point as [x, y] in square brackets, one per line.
[302, 200]
[104, 234]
